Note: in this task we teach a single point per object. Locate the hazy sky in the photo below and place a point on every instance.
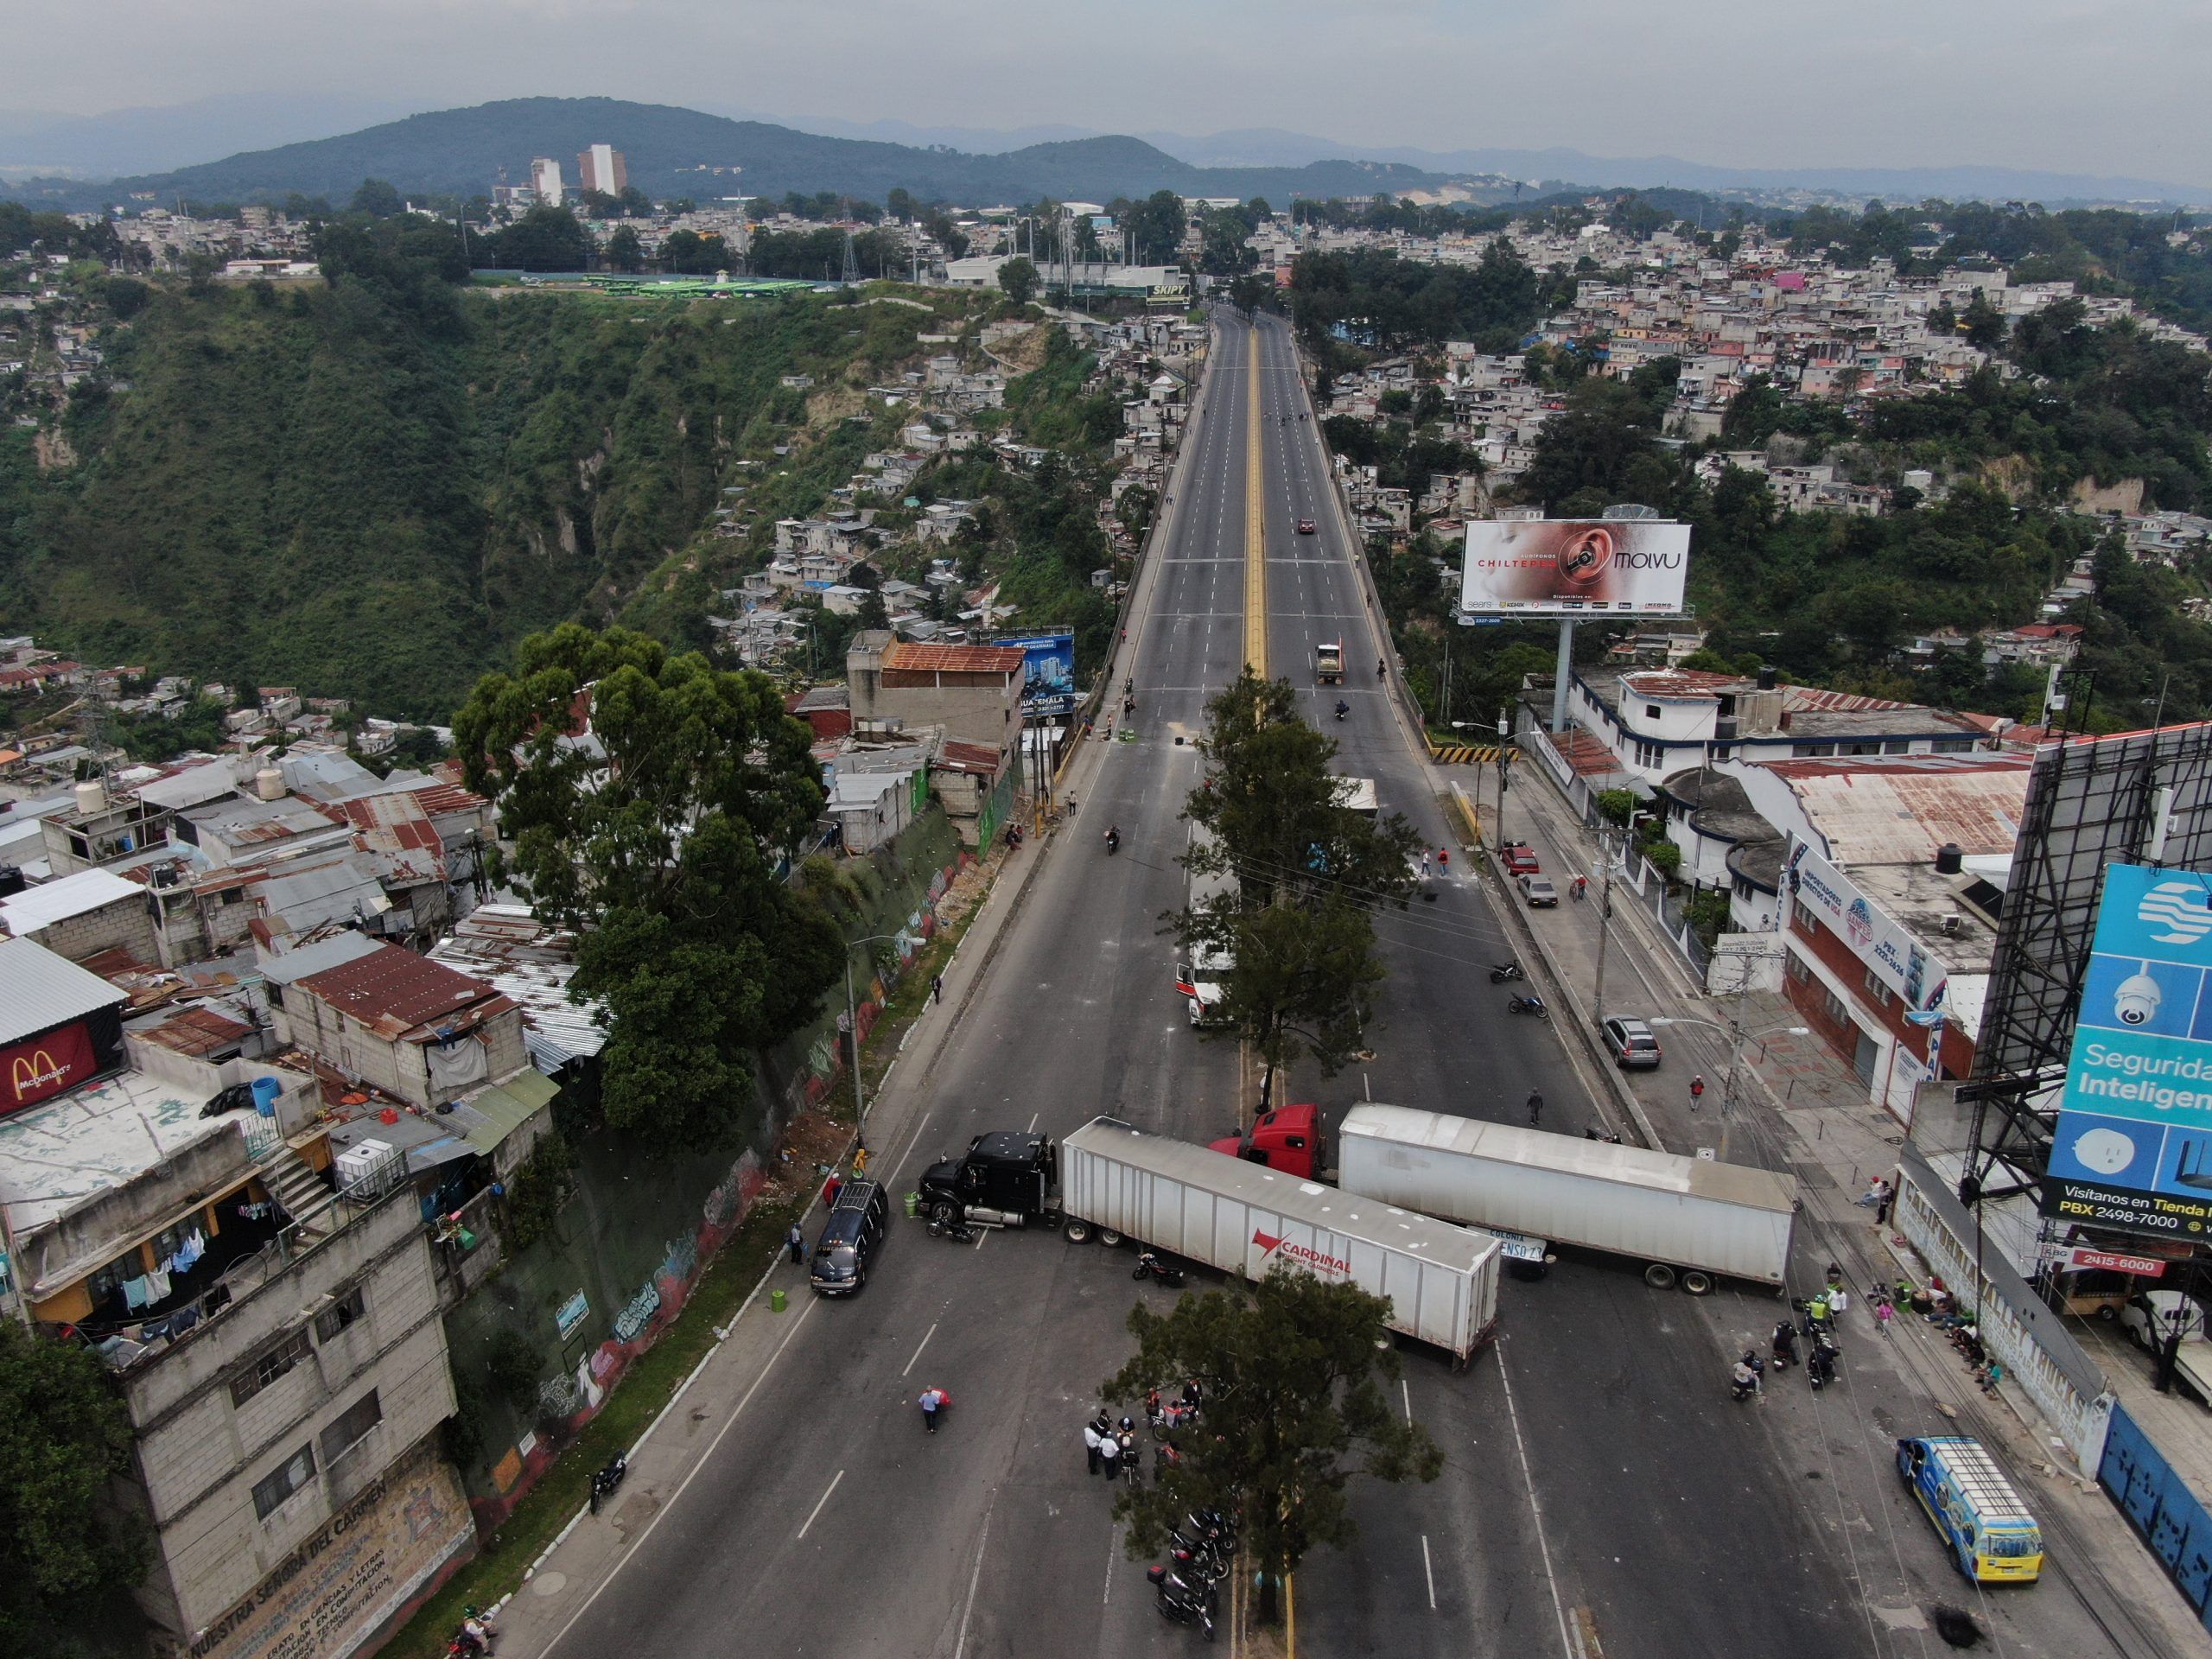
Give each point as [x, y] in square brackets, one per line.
[2078, 85]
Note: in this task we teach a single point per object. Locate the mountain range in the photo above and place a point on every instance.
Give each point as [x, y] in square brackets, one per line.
[326, 151]
[679, 152]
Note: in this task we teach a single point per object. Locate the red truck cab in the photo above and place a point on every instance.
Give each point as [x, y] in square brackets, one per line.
[1288, 1139]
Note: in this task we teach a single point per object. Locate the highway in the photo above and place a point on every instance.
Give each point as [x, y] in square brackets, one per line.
[1598, 1481]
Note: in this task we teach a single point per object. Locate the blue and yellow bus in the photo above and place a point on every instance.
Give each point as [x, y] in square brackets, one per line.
[1992, 1537]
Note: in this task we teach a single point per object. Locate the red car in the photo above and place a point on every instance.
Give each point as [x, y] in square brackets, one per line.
[1305, 526]
[1518, 857]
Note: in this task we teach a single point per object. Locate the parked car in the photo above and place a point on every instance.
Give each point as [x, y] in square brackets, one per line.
[849, 1239]
[1631, 1043]
[2147, 1317]
[1305, 526]
[1539, 892]
[1518, 857]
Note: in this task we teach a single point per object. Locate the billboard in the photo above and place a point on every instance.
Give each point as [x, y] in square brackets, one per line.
[1912, 975]
[2133, 1149]
[1047, 671]
[1574, 567]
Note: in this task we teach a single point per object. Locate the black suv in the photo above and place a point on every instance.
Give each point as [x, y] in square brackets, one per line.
[849, 1239]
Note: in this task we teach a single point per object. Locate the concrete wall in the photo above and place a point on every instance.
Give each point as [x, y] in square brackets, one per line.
[200, 1455]
[397, 1068]
[123, 924]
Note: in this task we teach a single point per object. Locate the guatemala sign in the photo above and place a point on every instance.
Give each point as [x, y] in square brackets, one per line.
[1047, 671]
[2132, 1150]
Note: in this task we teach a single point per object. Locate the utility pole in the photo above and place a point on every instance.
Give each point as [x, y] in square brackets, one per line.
[1504, 738]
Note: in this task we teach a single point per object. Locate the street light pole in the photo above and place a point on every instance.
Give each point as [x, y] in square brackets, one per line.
[1504, 737]
[853, 1027]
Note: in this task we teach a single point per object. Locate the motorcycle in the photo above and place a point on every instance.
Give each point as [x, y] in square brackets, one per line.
[1529, 1004]
[1502, 971]
[943, 1224]
[1179, 1603]
[1784, 1345]
[1113, 843]
[1150, 1266]
[1215, 1528]
[1342, 709]
[606, 1479]
[1749, 1373]
[1196, 1562]
[1820, 1361]
[1171, 1417]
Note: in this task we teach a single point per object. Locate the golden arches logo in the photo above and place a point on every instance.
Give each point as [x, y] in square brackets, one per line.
[35, 1072]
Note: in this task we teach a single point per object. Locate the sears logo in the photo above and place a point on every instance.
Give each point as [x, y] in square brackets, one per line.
[2178, 907]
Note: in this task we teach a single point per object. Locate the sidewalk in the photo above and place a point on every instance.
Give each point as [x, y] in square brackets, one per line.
[1799, 1108]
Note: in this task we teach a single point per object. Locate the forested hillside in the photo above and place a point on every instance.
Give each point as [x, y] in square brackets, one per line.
[372, 489]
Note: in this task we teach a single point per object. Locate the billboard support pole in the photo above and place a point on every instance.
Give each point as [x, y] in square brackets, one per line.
[1561, 671]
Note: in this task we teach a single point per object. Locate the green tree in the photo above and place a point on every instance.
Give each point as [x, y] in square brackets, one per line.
[624, 251]
[64, 1439]
[1296, 1407]
[1019, 279]
[1308, 871]
[658, 840]
[1982, 323]
[1593, 445]
[376, 198]
[690, 254]
[544, 238]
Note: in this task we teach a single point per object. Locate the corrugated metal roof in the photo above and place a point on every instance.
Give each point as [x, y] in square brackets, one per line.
[395, 990]
[505, 1106]
[308, 959]
[1903, 809]
[954, 659]
[193, 786]
[39, 990]
[57, 901]
[508, 948]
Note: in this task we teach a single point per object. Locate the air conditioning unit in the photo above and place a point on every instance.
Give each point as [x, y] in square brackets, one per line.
[1952, 922]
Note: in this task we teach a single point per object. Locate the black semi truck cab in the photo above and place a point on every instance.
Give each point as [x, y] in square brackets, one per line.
[1008, 1179]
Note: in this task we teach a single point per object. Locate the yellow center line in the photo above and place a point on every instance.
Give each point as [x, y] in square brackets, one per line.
[1256, 527]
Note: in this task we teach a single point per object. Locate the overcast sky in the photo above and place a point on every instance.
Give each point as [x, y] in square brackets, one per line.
[2078, 85]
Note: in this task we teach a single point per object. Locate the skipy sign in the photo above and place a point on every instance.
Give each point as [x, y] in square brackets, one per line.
[2132, 1150]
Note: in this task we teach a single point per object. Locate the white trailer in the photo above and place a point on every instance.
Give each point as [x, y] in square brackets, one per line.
[1240, 1217]
[1687, 1218]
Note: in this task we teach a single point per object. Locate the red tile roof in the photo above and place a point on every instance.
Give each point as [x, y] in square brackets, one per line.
[970, 757]
[954, 659]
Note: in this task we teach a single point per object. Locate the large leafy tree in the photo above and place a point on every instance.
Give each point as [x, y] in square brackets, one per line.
[1309, 871]
[64, 1436]
[1294, 1370]
[649, 799]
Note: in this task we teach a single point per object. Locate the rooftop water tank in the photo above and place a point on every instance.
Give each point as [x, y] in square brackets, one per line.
[91, 798]
[269, 784]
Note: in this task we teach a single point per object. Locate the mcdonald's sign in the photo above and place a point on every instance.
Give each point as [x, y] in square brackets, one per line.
[42, 1066]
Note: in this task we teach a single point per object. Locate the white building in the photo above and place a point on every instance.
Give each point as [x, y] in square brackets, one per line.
[601, 168]
[545, 180]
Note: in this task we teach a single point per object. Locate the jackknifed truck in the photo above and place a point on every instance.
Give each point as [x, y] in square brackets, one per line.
[1113, 1182]
[1689, 1220]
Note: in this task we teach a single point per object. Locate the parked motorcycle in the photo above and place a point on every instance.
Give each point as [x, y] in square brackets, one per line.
[1181, 1604]
[607, 1478]
[1150, 1266]
[1502, 971]
[1529, 1004]
[943, 1224]
[1820, 1360]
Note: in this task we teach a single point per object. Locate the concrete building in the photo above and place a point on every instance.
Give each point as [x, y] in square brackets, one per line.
[276, 1340]
[545, 180]
[414, 1028]
[973, 691]
[81, 915]
[601, 168]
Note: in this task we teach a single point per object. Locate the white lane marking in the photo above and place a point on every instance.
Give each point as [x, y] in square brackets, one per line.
[982, 1233]
[737, 1411]
[1033, 1116]
[815, 1514]
[1536, 1505]
[1106, 1598]
[910, 1141]
[960, 1646]
[918, 1346]
[1428, 1571]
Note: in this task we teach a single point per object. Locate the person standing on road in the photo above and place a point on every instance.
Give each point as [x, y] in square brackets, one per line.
[932, 1402]
[797, 1239]
[1697, 1091]
[1091, 1446]
[1424, 867]
[1109, 1451]
[936, 987]
[1535, 1107]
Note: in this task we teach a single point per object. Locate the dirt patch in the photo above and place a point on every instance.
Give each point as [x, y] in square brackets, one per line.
[52, 450]
[832, 404]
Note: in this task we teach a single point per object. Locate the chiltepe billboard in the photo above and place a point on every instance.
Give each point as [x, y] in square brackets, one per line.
[1574, 567]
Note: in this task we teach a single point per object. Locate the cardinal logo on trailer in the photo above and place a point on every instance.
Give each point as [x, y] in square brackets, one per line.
[1312, 1259]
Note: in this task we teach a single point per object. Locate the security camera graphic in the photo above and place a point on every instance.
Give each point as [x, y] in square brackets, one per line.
[2136, 1001]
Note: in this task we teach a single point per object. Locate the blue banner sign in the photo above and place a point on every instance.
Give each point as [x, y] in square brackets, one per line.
[2132, 1149]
